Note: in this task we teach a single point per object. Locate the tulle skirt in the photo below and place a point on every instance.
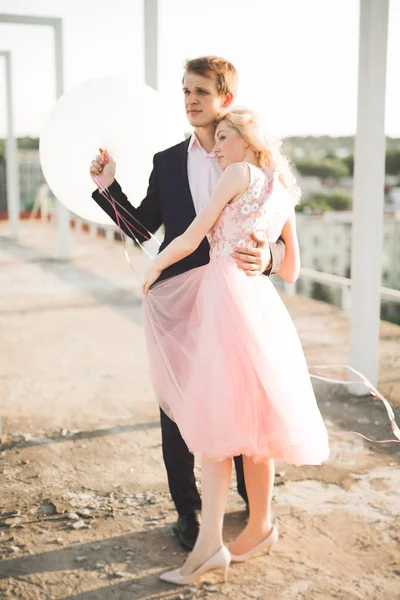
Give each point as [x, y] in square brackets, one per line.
[227, 366]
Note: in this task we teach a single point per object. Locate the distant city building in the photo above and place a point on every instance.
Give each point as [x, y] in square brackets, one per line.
[346, 183]
[308, 184]
[325, 245]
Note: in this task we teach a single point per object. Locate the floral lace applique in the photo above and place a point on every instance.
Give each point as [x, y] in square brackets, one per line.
[253, 211]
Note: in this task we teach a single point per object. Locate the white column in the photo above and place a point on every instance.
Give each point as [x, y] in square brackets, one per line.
[151, 43]
[345, 298]
[12, 174]
[62, 212]
[369, 174]
[150, 74]
[289, 289]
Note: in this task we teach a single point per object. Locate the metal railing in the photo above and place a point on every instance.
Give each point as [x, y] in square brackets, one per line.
[344, 283]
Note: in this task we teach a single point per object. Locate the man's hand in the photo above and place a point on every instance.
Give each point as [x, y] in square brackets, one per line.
[103, 167]
[254, 261]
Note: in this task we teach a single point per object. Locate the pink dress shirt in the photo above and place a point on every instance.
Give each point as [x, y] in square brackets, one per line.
[203, 172]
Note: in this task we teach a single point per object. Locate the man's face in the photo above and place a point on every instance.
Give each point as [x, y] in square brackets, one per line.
[202, 102]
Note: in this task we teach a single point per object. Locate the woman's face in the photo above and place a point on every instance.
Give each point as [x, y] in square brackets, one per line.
[229, 146]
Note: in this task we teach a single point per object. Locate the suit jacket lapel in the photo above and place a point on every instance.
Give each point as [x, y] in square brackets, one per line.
[186, 187]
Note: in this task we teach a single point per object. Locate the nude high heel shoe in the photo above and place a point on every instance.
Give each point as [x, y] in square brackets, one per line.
[267, 542]
[220, 560]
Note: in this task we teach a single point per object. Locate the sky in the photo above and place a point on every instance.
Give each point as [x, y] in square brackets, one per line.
[297, 59]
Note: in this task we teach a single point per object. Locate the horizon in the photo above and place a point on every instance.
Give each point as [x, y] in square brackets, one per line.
[316, 136]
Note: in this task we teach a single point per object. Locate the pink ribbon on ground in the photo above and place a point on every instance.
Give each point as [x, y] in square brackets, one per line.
[372, 390]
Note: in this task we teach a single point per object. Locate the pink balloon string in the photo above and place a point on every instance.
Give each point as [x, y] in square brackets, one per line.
[105, 192]
[331, 378]
[360, 378]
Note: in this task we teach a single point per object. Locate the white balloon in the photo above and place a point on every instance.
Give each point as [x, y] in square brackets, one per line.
[133, 124]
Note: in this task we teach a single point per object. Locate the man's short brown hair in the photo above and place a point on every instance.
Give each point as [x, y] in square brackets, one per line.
[216, 67]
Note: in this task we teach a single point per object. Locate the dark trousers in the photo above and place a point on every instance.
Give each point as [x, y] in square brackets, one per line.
[179, 463]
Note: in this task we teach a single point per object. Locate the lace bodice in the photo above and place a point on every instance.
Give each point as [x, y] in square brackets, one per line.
[264, 207]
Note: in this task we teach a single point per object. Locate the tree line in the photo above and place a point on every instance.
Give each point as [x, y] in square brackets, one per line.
[23, 143]
[333, 167]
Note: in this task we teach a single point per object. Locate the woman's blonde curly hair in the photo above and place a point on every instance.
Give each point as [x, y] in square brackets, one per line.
[268, 153]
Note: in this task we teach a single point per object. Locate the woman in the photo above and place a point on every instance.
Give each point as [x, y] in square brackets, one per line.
[225, 359]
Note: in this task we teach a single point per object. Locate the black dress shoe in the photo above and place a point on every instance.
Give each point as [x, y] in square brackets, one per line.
[187, 530]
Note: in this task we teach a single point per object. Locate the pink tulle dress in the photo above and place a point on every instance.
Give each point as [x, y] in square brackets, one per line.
[226, 362]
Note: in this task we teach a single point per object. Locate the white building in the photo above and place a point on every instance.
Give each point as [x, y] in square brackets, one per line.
[325, 245]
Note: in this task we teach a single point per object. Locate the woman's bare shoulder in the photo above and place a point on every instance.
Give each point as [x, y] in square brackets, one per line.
[238, 173]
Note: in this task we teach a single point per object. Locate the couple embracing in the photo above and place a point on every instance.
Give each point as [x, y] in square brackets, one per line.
[225, 360]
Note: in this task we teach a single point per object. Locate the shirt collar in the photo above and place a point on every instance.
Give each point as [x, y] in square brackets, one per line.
[194, 144]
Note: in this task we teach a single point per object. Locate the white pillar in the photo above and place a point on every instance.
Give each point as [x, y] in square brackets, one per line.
[92, 229]
[110, 234]
[12, 174]
[289, 289]
[150, 74]
[151, 43]
[369, 174]
[62, 212]
[345, 298]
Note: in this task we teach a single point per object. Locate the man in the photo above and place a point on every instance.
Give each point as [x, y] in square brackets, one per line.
[182, 179]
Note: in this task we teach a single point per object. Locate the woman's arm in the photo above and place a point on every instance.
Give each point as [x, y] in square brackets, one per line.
[233, 182]
[291, 265]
